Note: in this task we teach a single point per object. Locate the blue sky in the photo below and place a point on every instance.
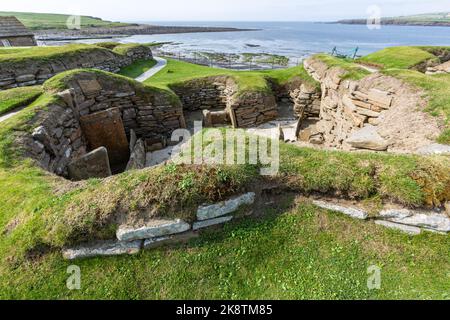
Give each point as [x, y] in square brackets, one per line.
[226, 10]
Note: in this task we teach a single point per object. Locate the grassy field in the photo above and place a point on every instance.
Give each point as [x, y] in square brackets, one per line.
[41, 21]
[19, 97]
[398, 57]
[177, 72]
[137, 68]
[295, 252]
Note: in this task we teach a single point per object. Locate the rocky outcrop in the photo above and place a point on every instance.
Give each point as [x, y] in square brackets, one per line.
[376, 113]
[36, 70]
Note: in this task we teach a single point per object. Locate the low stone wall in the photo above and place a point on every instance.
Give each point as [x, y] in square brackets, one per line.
[33, 71]
[376, 113]
[307, 100]
[246, 109]
[58, 137]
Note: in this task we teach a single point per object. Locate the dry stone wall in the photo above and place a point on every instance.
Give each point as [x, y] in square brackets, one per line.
[376, 113]
[58, 137]
[33, 71]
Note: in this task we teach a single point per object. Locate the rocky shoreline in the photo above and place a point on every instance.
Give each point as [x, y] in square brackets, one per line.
[137, 29]
[397, 23]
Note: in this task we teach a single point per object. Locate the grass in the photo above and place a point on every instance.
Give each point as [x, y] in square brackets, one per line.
[178, 72]
[296, 252]
[18, 97]
[398, 57]
[42, 21]
[353, 71]
[137, 68]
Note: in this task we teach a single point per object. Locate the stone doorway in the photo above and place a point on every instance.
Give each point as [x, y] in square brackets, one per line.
[106, 129]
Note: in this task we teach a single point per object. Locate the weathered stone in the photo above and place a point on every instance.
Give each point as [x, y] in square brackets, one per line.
[404, 228]
[92, 165]
[211, 222]
[224, 208]
[25, 78]
[434, 148]
[90, 87]
[427, 220]
[170, 240]
[106, 129]
[154, 229]
[384, 99]
[368, 138]
[138, 156]
[104, 248]
[351, 212]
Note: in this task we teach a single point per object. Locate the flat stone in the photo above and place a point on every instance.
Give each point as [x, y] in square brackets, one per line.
[170, 240]
[404, 228]
[211, 222]
[90, 87]
[138, 156]
[104, 248]
[351, 212]
[434, 149]
[95, 164]
[224, 208]
[154, 229]
[421, 219]
[367, 138]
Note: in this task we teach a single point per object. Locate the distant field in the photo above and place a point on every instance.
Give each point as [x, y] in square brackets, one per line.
[429, 19]
[42, 21]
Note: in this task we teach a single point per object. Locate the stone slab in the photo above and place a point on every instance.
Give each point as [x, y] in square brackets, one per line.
[154, 229]
[211, 222]
[95, 164]
[367, 138]
[421, 219]
[224, 208]
[170, 240]
[351, 212]
[104, 248]
[106, 129]
[404, 228]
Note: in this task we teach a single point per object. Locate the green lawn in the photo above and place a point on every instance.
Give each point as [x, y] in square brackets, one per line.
[39, 21]
[353, 71]
[177, 72]
[137, 68]
[18, 97]
[295, 252]
[398, 57]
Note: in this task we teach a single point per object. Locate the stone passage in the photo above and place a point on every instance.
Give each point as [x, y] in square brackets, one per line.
[105, 129]
[100, 110]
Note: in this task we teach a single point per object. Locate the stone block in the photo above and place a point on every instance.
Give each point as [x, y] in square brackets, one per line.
[367, 138]
[404, 228]
[102, 249]
[211, 222]
[349, 211]
[92, 165]
[224, 208]
[153, 229]
[90, 87]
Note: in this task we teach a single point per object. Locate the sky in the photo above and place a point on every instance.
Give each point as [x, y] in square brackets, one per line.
[226, 10]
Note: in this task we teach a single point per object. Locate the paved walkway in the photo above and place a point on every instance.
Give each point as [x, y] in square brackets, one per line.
[160, 64]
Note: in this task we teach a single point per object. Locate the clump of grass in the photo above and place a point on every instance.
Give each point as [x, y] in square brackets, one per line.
[398, 57]
[353, 71]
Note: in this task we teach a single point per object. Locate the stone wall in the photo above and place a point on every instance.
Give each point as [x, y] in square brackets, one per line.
[58, 137]
[246, 109]
[33, 71]
[376, 113]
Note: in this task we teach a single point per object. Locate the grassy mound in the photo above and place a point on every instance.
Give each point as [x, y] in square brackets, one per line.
[178, 72]
[398, 57]
[18, 97]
